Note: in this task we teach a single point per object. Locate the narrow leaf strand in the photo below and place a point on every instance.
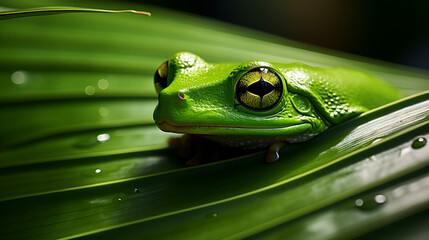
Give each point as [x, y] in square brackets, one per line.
[57, 10]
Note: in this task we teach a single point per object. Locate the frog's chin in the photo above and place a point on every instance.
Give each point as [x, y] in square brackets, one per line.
[235, 130]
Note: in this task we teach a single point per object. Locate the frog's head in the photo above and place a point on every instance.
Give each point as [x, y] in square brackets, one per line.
[252, 98]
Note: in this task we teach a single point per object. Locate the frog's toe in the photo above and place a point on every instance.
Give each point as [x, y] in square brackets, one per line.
[174, 142]
[273, 152]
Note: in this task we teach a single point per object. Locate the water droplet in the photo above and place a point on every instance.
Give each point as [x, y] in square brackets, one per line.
[370, 202]
[359, 202]
[380, 198]
[136, 190]
[97, 170]
[19, 77]
[103, 84]
[89, 90]
[103, 111]
[104, 137]
[376, 140]
[212, 215]
[119, 199]
[419, 142]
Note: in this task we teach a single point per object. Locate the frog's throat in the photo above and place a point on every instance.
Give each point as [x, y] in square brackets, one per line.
[234, 130]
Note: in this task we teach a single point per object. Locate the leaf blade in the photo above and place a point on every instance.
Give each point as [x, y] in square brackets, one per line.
[8, 14]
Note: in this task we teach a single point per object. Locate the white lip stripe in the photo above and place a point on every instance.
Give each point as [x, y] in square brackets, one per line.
[224, 127]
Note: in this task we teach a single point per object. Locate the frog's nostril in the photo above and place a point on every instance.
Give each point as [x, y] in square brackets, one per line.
[181, 96]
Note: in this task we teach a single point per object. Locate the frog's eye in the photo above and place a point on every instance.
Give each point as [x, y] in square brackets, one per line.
[259, 89]
[160, 77]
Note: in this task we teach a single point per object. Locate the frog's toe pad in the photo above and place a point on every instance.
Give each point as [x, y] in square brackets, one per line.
[273, 152]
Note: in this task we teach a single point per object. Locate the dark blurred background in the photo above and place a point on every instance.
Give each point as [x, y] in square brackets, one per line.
[394, 31]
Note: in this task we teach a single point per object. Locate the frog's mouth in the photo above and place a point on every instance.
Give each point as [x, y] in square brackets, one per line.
[234, 130]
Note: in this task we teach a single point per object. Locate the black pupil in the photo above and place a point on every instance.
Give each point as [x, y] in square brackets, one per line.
[260, 87]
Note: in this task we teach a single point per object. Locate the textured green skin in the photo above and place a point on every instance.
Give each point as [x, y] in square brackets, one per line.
[314, 98]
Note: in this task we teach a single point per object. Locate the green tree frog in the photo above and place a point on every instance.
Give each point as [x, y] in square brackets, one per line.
[258, 104]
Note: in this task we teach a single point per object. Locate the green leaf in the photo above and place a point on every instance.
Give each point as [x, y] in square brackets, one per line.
[56, 10]
[215, 198]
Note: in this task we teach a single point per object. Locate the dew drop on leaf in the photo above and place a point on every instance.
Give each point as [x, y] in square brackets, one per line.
[371, 202]
[376, 140]
[103, 84]
[104, 137]
[359, 202]
[212, 215]
[89, 90]
[19, 77]
[93, 141]
[380, 198]
[103, 111]
[418, 143]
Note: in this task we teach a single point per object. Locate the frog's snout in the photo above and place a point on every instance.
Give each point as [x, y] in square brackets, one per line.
[170, 102]
[156, 115]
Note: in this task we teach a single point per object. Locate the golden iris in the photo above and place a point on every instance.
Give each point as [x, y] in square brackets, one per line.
[259, 89]
[160, 77]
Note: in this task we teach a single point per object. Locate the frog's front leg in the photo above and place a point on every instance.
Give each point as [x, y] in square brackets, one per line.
[193, 150]
[189, 148]
[196, 150]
